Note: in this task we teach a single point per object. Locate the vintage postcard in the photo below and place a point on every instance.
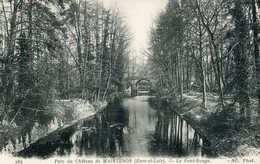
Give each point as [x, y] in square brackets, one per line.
[129, 81]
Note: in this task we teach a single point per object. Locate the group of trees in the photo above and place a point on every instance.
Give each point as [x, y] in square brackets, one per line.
[211, 46]
[58, 49]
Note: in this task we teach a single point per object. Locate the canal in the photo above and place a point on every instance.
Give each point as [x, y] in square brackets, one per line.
[127, 128]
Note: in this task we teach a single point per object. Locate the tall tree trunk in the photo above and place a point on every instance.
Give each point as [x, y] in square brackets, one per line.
[241, 61]
[218, 69]
[8, 77]
[79, 50]
[256, 50]
[99, 60]
[181, 64]
[25, 57]
[203, 76]
[214, 51]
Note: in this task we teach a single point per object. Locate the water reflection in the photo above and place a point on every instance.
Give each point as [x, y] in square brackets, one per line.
[129, 128]
[142, 121]
[103, 136]
[175, 137]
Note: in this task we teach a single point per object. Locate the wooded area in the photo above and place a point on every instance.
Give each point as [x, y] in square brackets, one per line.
[66, 66]
[209, 46]
[58, 49]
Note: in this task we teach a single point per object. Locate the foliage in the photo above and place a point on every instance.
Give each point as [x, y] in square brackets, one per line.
[211, 47]
[58, 50]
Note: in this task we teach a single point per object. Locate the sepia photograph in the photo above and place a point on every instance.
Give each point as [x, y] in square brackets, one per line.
[129, 81]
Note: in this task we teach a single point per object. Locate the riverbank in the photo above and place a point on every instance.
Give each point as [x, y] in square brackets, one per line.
[60, 114]
[228, 138]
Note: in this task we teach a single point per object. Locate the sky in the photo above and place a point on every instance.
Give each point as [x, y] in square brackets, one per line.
[139, 15]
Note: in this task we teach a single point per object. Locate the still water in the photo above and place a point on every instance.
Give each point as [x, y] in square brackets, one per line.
[124, 129]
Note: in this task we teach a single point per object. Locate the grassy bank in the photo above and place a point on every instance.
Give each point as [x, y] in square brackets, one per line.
[229, 136]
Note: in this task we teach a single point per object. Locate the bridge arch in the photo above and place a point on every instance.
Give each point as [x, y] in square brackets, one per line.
[136, 86]
[144, 79]
[142, 86]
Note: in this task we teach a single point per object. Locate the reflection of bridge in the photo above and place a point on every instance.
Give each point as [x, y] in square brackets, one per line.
[140, 85]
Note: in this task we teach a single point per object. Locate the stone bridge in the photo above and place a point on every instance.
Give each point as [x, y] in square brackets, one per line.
[140, 85]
